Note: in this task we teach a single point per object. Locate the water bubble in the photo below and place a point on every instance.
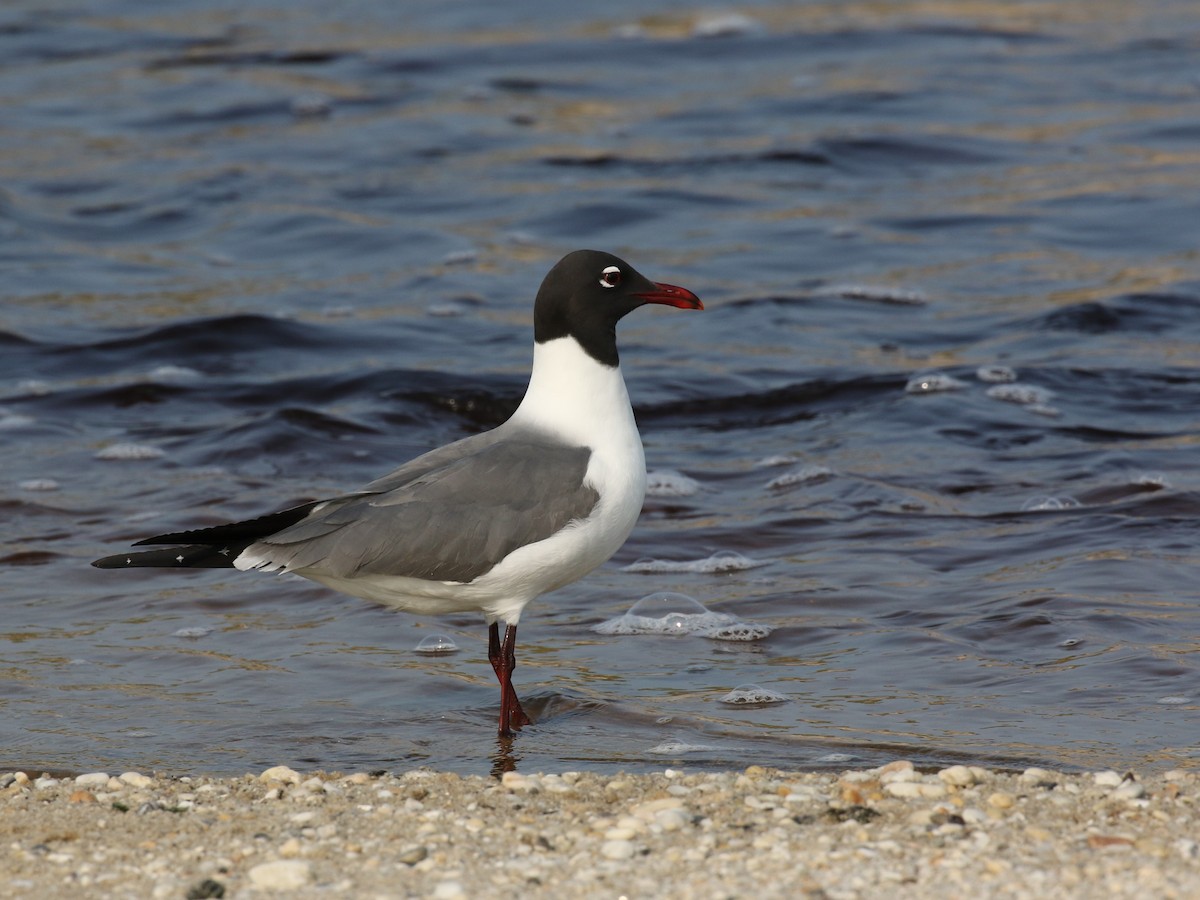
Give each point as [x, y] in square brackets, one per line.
[1070, 642]
[669, 483]
[1049, 504]
[1025, 394]
[1173, 701]
[667, 603]
[667, 612]
[752, 695]
[996, 374]
[803, 475]
[933, 383]
[130, 452]
[435, 644]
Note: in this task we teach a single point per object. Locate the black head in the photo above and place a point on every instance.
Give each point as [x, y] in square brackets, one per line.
[586, 294]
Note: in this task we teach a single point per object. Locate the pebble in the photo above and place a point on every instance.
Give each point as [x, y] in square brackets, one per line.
[915, 789]
[617, 849]
[1001, 800]
[135, 779]
[410, 856]
[281, 875]
[958, 776]
[280, 773]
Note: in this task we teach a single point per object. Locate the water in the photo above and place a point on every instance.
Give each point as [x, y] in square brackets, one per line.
[254, 256]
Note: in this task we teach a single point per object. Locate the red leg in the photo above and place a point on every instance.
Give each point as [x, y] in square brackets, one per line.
[503, 657]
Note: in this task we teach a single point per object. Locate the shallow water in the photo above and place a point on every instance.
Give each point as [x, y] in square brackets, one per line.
[945, 389]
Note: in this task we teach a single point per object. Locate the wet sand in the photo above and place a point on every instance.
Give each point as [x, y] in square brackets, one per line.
[753, 833]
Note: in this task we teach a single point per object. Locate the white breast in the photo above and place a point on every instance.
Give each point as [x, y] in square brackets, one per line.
[585, 403]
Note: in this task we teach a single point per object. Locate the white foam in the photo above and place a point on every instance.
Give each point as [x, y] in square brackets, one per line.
[933, 383]
[1173, 701]
[39, 484]
[1044, 409]
[198, 631]
[880, 294]
[738, 631]
[448, 309]
[679, 748]
[173, 373]
[996, 374]
[436, 645]
[311, 106]
[721, 561]
[34, 387]
[1049, 504]
[669, 483]
[130, 452]
[725, 24]
[800, 476]
[459, 257]
[835, 758]
[1151, 479]
[1024, 394]
[753, 695]
[780, 459]
[13, 420]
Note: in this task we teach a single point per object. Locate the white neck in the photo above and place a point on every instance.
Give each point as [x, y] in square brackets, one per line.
[576, 398]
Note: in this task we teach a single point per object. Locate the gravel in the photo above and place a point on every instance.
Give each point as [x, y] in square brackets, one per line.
[757, 833]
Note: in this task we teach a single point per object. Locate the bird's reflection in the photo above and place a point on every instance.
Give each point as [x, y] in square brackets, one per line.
[504, 759]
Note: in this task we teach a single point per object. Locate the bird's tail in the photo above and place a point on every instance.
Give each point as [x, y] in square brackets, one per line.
[206, 548]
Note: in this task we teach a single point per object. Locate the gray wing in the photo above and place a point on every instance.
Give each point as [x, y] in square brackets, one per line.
[450, 515]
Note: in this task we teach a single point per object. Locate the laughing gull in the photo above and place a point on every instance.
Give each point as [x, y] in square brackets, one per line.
[491, 521]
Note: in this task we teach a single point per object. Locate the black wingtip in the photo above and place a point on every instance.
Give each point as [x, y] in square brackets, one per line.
[197, 556]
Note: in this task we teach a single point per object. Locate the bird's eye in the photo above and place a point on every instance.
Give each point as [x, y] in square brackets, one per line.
[610, 277]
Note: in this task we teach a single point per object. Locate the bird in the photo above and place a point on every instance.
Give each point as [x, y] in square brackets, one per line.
[494, 520]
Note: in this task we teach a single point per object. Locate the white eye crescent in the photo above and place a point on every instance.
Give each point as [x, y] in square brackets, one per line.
[610, 277]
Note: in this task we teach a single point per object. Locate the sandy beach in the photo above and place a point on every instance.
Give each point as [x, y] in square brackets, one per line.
[680, 834]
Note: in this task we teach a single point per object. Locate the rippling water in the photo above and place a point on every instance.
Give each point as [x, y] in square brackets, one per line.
[944, 395]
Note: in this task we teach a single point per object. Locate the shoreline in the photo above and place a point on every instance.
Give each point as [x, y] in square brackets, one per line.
[757, 832]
